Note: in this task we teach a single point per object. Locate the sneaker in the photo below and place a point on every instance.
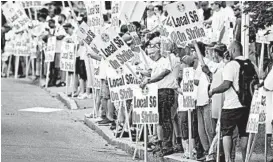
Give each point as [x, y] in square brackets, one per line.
[89, 96]
[113, 126]
[210, 158]
[105, 122]
[82, 96]
[165, 151]
[90, 115]
[178, 148]
[202, 158]
[186, 155]
[61, 84]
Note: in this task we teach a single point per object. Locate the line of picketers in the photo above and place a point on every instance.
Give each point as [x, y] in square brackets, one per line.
[224, 81]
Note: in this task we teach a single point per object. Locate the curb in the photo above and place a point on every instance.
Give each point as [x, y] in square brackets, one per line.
[126, 146]
[129, 146]
[68, 102]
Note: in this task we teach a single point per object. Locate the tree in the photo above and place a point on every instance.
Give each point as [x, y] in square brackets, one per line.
[261, 16]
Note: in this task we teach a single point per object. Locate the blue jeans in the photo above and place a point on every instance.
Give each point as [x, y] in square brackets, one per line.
[206, 128]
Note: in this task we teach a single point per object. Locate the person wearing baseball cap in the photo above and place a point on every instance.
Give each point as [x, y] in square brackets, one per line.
[218, 51]
[160, 70]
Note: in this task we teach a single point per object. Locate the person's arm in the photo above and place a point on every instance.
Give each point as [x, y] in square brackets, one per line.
[228, 77]
[221, 88]
[60, 37]
[159, 76]
[96, 57]
[155, 78]
[146, 73]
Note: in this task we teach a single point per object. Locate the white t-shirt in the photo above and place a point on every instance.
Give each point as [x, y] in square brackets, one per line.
[218, 21]
[217, 99]
[58, 32]
[202, 88]
[103, 69]
[158, 67]
[81, 52]
[152, 22]
[231, 73]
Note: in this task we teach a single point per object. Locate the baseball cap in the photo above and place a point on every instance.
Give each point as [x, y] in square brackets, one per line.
[67, 25]
[220, 47]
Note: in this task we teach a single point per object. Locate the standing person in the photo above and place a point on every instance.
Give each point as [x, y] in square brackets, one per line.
[206, 11]
[107, 111]
[238, 23]
[217, 21]
[217, 100]
[60, 34]
[206, 128]
[159, 74]
[41, 33]
[52, 76]
[152, 20]
[235, 110]
[160, 14]
[190, 61]
[70, 37]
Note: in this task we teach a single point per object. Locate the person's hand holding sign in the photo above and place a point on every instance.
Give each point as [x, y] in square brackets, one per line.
[144, 83]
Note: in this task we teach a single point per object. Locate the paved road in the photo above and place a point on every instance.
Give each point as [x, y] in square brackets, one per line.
[47, 137]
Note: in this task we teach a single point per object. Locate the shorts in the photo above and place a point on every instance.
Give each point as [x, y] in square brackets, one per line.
[57, 60]
[230, 118]
[80, 68]
[105, 91]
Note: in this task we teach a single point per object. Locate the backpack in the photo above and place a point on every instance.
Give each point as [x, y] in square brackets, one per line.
[248, 78]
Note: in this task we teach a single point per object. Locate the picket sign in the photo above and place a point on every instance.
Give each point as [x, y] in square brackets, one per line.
[186, 100]
[116, 5]
[31, 59]
[255, 120]
[133, 9]
[187, 28]
[67, 60]
[15, 14]
[145, 104]
[136, 39]
[84, 33]
[32, 4]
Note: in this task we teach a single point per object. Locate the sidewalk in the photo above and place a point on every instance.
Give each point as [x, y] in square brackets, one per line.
[126, 145]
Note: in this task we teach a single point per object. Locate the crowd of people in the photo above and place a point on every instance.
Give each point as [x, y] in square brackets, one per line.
[221, 96]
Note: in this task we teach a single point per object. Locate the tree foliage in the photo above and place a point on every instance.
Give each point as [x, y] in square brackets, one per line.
[261, 16]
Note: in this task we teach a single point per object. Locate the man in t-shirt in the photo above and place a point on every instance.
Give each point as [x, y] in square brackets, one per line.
[233, 113]
[217, 21]
[161, 69]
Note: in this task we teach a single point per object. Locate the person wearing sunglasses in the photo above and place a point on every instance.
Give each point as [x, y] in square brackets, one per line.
[160, 70]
